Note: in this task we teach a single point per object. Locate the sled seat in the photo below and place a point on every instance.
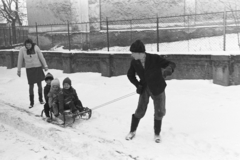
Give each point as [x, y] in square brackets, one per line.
[65, 113]
[85, 115]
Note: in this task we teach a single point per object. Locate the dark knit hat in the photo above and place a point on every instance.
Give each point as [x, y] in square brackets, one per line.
[48, 76]
[137, 46]
[68, 81]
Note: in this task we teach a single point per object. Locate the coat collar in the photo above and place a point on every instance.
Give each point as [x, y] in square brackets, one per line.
[147, 61]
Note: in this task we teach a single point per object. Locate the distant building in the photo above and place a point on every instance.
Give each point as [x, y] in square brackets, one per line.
[59, 12]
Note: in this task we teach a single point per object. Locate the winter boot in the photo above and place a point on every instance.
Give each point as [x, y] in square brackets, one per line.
[40, 98]
[31, 97]
[49, 119]
[157, 130]
[58, 120]
[133, 128]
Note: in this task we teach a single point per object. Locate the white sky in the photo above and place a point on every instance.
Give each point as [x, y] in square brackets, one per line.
[202, 122]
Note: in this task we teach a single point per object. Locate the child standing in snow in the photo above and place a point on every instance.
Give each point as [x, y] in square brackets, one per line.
[53, 99]
[69, 98]
[48, 80]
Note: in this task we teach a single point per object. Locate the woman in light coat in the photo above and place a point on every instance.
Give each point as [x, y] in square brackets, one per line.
[34, 64]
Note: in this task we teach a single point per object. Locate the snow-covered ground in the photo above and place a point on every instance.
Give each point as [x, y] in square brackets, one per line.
[20, 146]
[202, 122]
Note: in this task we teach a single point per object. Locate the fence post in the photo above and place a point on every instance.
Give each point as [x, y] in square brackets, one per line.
[5, 43]
[107, 34]
[69, 45]
[224, 29]
[52, 35]
[100, 12]
[131, 29]
[86, 37]
[37, 32]
[184, 12]
[195, 15]
[22, 34]
[157, 34]
[10, 37]
[19, 35]
[188, 33]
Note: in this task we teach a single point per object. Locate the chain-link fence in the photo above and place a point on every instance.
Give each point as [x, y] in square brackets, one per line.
[218, 31]
[7, 38]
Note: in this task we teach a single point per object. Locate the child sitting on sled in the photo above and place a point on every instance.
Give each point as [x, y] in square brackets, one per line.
[69, 98]
[48, 80]
[53, 100]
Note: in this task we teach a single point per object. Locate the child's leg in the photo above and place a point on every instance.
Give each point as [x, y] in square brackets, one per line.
[55, 109]
[46, 110]
[72, 107]
[79, 105]
[56, 113]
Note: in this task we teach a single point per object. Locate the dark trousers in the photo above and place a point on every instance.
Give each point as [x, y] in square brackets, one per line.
[70, 105]
[158, 101]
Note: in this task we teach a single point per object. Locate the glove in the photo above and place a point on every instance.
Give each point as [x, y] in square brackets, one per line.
[19, 73]
[139, 89]
[167, 72]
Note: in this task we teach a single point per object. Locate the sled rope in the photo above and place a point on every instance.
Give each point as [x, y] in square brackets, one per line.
[115, 100]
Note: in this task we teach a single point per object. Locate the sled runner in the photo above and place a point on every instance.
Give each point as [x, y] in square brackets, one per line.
[67, 114]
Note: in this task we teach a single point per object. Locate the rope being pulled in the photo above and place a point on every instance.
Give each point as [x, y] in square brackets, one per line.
[115, 100]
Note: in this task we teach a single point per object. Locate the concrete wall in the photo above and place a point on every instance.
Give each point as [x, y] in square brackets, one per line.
[224, 70]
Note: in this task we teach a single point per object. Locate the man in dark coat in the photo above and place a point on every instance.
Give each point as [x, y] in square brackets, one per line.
[152, 84]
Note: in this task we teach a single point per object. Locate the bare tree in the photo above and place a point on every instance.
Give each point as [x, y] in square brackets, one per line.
[11, 12]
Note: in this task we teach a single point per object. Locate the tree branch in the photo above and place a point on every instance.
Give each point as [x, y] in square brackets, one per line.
[6, 17]
[7, 10]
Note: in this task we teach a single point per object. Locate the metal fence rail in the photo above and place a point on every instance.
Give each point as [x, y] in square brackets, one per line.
[218, 31]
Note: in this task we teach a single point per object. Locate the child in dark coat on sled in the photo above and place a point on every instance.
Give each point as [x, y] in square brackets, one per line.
[69, 98]
[48, 80]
